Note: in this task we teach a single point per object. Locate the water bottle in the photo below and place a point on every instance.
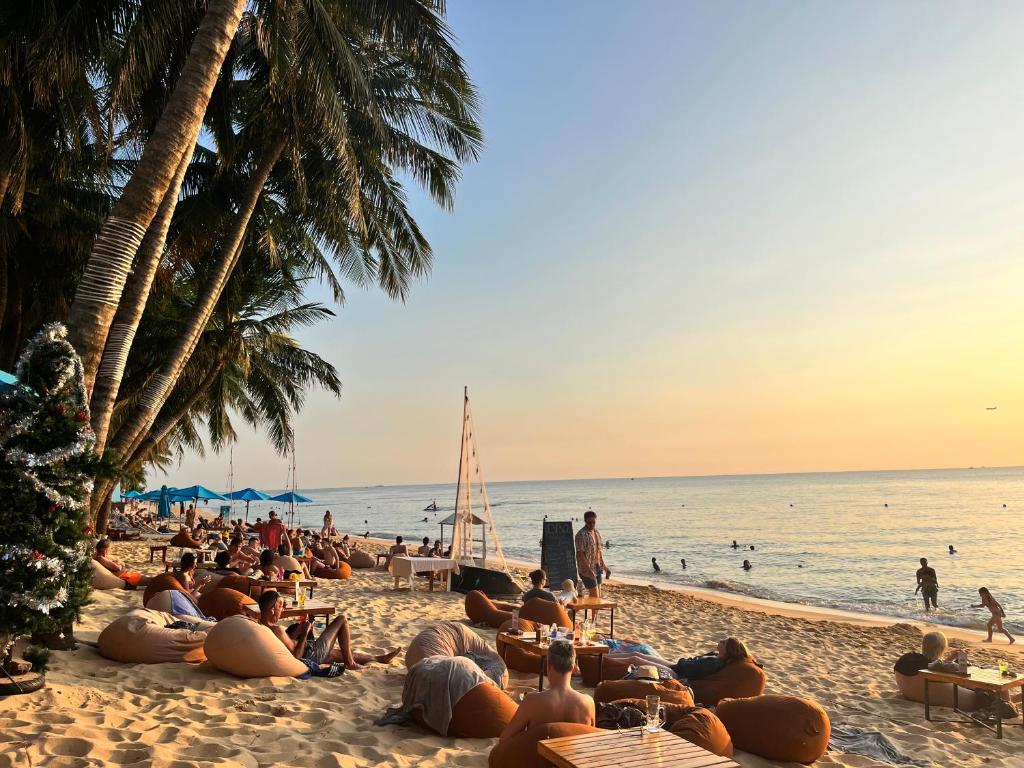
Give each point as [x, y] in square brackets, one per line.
[961, 662]
[515, 621]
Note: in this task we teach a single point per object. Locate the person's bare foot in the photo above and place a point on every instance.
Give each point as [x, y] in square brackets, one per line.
[988, 640]
[385, 658]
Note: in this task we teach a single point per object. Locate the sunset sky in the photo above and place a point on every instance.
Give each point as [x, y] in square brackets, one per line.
[703, 238]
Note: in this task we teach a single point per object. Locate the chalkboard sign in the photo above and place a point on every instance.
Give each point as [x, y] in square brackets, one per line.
[558, 553]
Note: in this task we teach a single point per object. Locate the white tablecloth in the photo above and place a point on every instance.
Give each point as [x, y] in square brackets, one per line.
[403, 566]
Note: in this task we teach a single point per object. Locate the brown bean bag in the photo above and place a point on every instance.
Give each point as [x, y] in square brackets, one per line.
[243, 648]
[482, 713]
[104, 579]
[735, 681]
[238, 583]
[611, 669]
[184, 540]
[911, 687]
[783, 728]
[343, 571]
[142, 637]
[222, 603]
[159, 584]
[480, 610]
[702, 727]
[361, 559]
[516, 658]
[544, 612]
[520, 751]
[670, 691]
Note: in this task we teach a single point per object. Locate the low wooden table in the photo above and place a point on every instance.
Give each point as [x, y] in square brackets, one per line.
[529, 644]
[977, 678]
[285, 587]
[162, 549]
[629, 749]
[593, 604]
[312, 608]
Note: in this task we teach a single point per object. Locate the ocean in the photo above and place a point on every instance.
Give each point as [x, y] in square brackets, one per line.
[847, 540]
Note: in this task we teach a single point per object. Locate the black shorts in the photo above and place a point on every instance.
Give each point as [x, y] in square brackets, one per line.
[592, 583]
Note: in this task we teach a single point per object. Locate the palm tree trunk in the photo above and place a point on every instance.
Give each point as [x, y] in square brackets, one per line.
[129, 311]
[99, 291]
[103, 513]
[156, 392]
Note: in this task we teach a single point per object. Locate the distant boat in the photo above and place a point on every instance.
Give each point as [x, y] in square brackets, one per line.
[991, 407]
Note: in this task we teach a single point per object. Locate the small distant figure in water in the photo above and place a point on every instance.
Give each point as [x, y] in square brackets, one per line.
[1004, 506]
[998, 614]
[799, 565]
[608, 544]
[682, 562]
[746, 565]
[751, 547]
[366, 522]
[366, 535]
[545, 517]
[927, 585]
[951, 550]
[886, 506]
[735, 545]
[654, 562]
[791, 505]
[425, 520]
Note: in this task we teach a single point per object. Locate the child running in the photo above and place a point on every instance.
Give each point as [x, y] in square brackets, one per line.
[998, 614]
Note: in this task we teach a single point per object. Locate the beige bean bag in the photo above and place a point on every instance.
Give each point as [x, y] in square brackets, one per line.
[212, 580]
[238, 583]
[361, 559]
[221, 603]
[782, 728]
[104, 579]
[449, 638]
[243, 648]
[141, 637]
[911, 687]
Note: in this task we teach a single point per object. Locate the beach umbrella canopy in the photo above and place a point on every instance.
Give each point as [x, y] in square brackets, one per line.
[196, 492]
[248, 495]
[291, 497]
[131, 495]
[155, 494]
[163, 507]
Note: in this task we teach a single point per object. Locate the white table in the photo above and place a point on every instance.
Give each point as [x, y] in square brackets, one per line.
[406, 567]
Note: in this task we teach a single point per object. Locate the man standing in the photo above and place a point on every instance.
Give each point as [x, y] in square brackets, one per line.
[927, 584]
[589, 555]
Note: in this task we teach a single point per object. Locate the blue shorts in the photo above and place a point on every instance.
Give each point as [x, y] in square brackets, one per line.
[591, 583]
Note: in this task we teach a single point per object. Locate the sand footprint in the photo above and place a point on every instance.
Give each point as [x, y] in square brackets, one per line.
[68, 747]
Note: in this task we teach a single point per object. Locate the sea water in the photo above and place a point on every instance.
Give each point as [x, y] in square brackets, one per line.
[849, 540]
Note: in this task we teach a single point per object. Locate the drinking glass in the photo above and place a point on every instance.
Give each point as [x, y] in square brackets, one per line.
[655, 714]
[1003, 667]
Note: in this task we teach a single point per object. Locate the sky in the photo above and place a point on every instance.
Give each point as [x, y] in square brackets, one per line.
[702, 238]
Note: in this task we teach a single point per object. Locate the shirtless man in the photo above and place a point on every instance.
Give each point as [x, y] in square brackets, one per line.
[398, 548]
[927, 584]
[320, 655]
[559, 703]
[425, 549]
[116, 567]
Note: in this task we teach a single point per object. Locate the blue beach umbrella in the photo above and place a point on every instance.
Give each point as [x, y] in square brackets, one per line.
[7, 381]
[131, 495]
[292, 498]
[196, 492]
[163, 507]
[248, 495]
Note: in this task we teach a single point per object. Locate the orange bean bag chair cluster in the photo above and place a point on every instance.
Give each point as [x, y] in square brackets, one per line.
[738, 680]
[481, 610]
[782, 728]
[670, 691]
[361, 559]
[520, 751]
[911, 687]
[702, 727]
[244, 648]
[159, 584]
[517, 658]
[184, 540]
[343, 571]
[142, 636]
[545, 612]
[221, 603]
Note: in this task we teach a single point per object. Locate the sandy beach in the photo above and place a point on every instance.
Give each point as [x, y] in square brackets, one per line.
[98, 712]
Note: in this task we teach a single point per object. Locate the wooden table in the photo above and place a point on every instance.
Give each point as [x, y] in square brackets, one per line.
[312, 608]
[286, 587]
[977, 678]
[593, 604]
[529, 644]
[629, 749]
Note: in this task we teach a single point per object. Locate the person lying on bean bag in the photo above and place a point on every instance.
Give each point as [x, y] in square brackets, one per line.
[142, 636]
[695, 667]
[116, 567]
[559, 703]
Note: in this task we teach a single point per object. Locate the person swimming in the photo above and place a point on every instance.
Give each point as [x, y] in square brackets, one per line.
[951, 550]
[682, 561]
[751, 547]
[735, 545]
[746, 565]
[654, 562]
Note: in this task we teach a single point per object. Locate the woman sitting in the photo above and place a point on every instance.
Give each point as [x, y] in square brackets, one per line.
[186, 574]
[694, 667]
[343, 549]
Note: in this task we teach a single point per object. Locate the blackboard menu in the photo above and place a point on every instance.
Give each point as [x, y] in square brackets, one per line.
[558, 553]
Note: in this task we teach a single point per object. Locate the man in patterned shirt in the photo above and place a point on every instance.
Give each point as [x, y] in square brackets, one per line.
[589, 555]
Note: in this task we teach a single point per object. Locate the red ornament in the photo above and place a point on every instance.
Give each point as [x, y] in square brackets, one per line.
[37, 555]
[59, 410]
[82, 416]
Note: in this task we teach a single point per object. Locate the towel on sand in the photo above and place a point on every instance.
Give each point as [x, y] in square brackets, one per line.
[436, 684]
[855, 741]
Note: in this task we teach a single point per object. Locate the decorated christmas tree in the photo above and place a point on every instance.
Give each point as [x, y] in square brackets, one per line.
[46, 468]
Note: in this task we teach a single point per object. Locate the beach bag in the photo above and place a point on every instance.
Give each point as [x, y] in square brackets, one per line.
[613, 716]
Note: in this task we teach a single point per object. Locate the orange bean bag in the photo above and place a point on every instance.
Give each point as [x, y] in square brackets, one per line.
[482, 713]
[611, 669]
[159, 584]
[361, 559]
[104, 579]
[184, 540]
[911, 687]
[142, 637]
[516, 658]
[243, 648]
[544, 612]
[783, 728]
[520, 751]
[222, 603]
[670, 691]
[343, 571]
[702, 727]
[735, 681]
[238, 583]
[480, 610]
